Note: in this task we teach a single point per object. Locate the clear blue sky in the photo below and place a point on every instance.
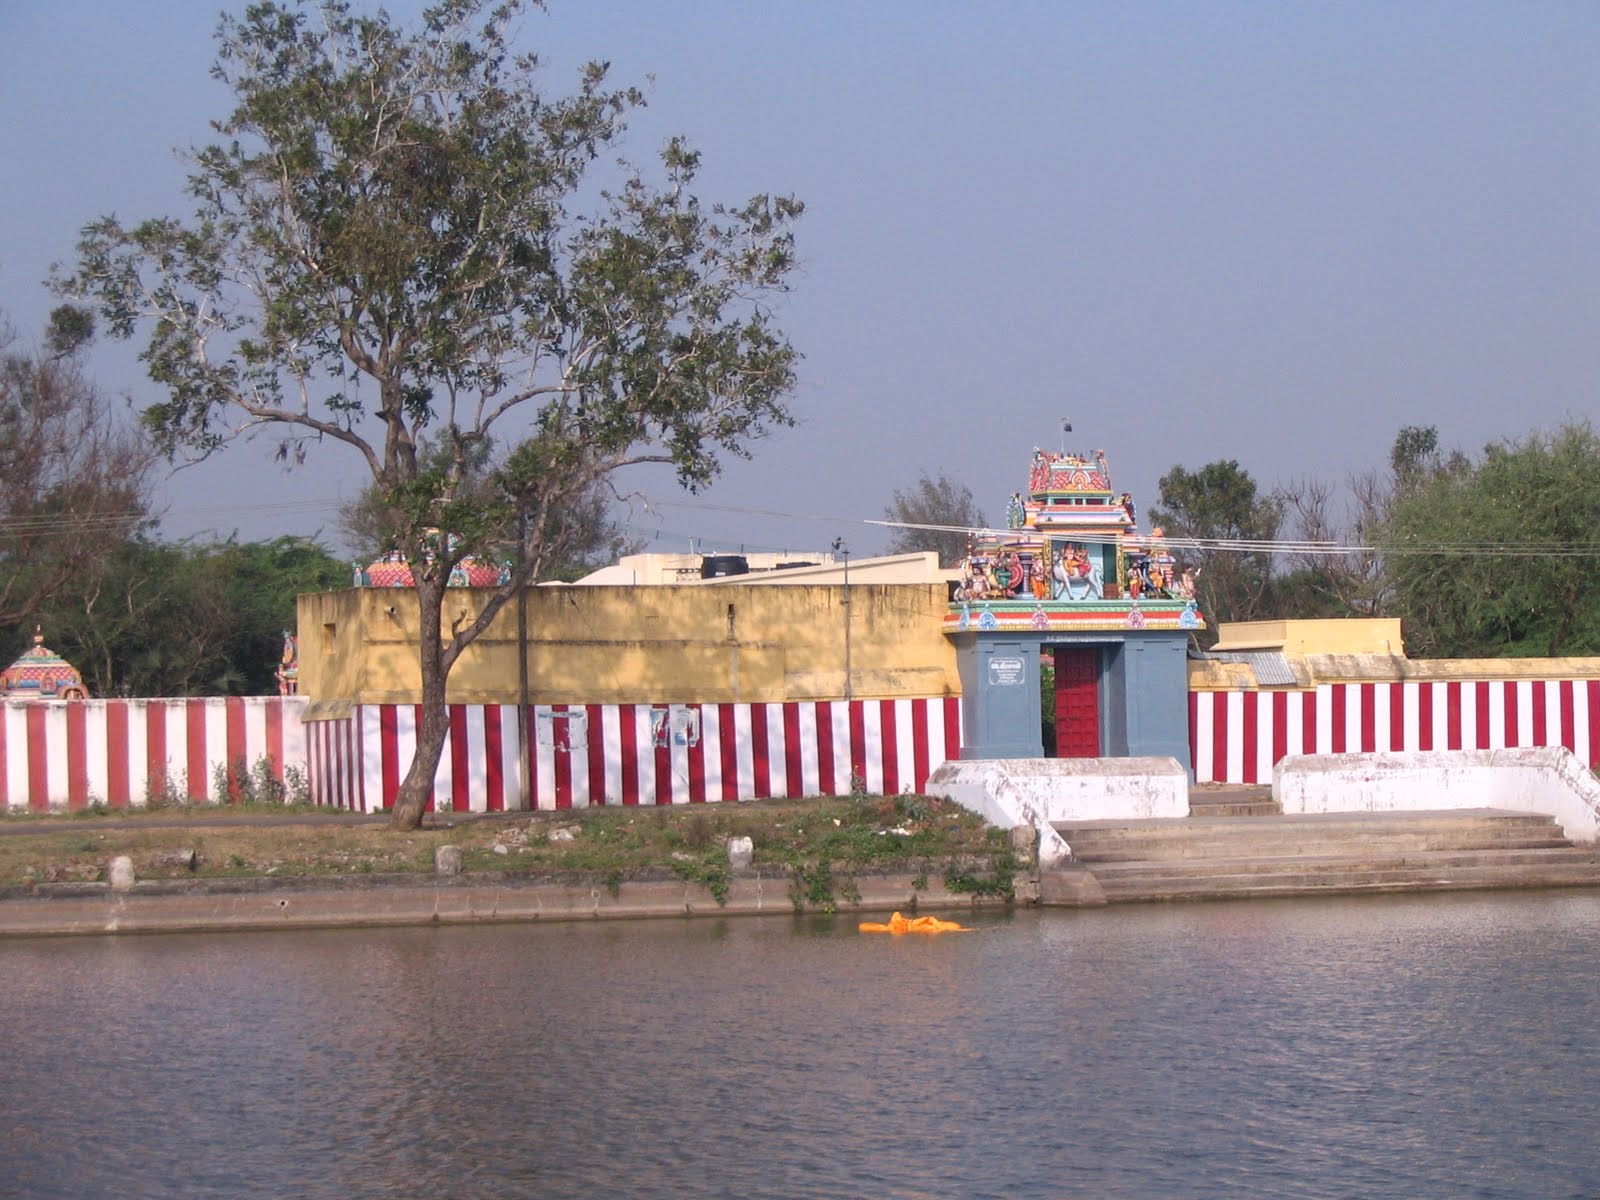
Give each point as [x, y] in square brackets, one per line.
[1264, 231]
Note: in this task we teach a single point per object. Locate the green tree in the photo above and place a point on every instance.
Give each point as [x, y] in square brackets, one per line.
[1498, 556]
[258, 584]
[189, 618]
[76, 478]
[400, 232]
[584, 533]
[1219, 513]
[934, 513]
[1416, 460]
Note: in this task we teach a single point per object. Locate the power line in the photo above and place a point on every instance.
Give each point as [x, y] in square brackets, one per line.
[1286, 546]
[67, 523]
[75, 522]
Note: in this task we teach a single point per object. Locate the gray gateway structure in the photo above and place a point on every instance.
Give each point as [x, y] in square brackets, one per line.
[1072, 594]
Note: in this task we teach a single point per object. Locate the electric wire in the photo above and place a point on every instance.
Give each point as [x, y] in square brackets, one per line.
[45, 524]
[1287, 546]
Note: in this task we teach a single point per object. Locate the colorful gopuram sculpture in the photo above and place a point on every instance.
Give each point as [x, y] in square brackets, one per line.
[392, 570]
[288, 672]
[41, 674]
[1071, 557]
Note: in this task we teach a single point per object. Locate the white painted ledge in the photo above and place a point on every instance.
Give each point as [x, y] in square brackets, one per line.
[1038, 791]
[1547, 780]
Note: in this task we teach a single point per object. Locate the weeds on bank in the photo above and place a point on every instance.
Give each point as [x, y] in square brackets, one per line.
[241, 783]
[819, 844]
[998, 882]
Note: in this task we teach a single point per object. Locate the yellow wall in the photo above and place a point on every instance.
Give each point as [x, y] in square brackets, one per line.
[1376, 635]
[1360, 651]
[600, 645]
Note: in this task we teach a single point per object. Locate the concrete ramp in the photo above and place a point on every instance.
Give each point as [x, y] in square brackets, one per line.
[1547, 780]
[1037, 792]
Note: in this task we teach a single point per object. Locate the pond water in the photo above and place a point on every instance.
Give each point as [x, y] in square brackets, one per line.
[1402, 1047]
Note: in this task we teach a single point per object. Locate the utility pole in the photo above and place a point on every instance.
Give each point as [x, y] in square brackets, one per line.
[840, 548]
[524, 732]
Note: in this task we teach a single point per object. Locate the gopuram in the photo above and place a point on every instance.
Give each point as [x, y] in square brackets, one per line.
[391, 569]
[1070, 583]
[41, 674]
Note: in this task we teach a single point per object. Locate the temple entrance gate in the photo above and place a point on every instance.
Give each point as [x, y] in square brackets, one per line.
[1077, 680]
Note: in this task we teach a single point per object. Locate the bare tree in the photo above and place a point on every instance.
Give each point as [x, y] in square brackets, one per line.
[1356, 581]
[76, 473]
[1335, 582]
[934, 513]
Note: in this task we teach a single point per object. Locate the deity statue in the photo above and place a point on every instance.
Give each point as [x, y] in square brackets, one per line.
[1015, 512]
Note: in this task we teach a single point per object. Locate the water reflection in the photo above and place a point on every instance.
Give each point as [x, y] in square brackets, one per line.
[1418, 1046]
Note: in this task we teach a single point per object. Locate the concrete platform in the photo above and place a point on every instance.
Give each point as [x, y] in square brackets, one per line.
[1240, 857]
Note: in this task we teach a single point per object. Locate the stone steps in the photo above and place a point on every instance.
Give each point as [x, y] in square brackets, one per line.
[1218, 857]
[1417, 876]
[1239, 801]
[1234, 808]
[1311, 863]
[1318, 834]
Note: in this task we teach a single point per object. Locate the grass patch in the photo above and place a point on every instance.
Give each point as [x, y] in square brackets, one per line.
[75, 852]
[820, 844]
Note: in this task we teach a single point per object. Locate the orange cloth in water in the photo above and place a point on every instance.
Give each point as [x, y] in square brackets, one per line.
[899, 924]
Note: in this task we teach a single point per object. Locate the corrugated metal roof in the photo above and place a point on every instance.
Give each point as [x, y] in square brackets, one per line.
[1270, 667]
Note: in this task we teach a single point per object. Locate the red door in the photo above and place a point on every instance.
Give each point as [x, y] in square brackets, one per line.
[1077, 702]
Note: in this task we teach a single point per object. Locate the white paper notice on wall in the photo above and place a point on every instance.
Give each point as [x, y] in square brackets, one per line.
[563, 730]
[675, 725]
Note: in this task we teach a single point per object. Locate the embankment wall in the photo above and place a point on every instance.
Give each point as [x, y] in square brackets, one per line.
[72, 754]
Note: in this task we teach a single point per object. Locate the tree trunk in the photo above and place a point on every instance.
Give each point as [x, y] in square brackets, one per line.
[1558, 639]
[412, 798]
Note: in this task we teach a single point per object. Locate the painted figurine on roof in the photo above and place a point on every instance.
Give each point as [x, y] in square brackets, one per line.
[288, 672]
[1072, 551]
[41, 674]
[392, 570]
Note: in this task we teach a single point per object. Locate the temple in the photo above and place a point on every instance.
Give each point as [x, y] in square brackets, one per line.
[41, 674]
[720, 678]
[1072, 583]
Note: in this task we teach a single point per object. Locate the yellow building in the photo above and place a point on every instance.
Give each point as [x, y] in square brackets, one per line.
[650, 570]
[1305, 654]
[719, 642]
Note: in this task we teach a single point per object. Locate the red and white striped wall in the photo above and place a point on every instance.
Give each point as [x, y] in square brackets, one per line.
[74, 753]
[582, 755]
[70, 754]
[1237, 737]
[333, 763]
